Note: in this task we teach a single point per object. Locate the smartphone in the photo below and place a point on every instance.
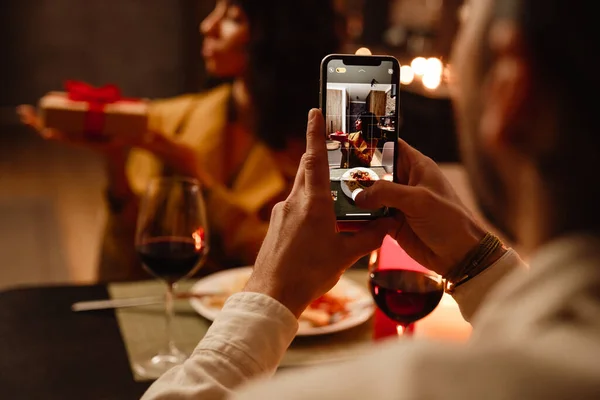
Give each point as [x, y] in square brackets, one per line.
[359, 100]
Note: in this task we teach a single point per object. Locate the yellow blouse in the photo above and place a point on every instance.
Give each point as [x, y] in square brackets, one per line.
[238, 207]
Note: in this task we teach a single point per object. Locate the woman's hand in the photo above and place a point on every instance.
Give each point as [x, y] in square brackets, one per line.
[432, 224]
[181, 158]
[113, 148]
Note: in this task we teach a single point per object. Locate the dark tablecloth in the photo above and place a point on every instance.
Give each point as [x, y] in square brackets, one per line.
[49, 352]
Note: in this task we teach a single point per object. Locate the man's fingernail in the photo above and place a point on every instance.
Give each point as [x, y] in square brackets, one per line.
[312, 114]
[356, 193]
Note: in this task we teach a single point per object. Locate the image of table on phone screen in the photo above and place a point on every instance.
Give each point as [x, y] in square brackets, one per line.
[344, 184]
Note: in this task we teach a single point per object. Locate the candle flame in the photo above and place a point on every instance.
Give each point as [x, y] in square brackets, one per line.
[198, 237]
[434, 66]
[407, 75]
[432, 81]
[419, 66]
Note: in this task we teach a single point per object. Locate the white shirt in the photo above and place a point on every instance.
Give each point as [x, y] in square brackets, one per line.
[536, 336]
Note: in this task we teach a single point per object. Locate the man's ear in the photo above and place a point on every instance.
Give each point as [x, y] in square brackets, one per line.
[506, 90]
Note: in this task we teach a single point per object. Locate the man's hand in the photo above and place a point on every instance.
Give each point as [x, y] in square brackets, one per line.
[432, 224]
[303, 255]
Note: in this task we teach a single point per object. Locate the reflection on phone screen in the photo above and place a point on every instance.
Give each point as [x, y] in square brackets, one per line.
[361, 126]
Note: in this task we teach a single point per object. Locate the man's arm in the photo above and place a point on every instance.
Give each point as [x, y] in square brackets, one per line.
[251, 334]
[420, 369]
[246, 340]
[303, 256]
[295, 266]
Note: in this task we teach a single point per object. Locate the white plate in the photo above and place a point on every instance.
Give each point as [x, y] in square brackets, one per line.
[346, 177]
[361, 306]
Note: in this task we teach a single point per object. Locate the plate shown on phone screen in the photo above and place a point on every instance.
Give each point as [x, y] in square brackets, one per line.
[350, 183]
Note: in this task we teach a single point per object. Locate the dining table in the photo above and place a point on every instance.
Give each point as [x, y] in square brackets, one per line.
[50, 352]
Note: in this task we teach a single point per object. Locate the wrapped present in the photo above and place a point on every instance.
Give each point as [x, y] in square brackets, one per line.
[84, 111]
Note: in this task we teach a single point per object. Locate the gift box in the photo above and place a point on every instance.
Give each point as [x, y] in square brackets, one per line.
[84, 111]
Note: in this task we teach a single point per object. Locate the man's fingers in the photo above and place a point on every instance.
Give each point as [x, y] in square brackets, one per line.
[410, 153]
[369, 238]
[406, 148]
[299, 181]
[316, 167]
[389, 194]
[407, 158]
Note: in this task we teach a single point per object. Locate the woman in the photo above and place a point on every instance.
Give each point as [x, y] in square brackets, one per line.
[241, 140]
[363, 142]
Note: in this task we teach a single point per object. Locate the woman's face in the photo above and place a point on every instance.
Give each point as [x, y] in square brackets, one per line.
[226, 34]
[358, 124]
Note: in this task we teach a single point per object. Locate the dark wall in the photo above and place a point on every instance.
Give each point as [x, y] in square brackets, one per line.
[151, 48]
[428, 125]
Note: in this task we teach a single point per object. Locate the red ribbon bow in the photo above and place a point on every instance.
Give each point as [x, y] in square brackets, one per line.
[97, 99]
[81, 91]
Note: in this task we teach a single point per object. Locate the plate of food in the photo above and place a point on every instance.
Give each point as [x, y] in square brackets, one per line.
[357, 179]
[345, 306]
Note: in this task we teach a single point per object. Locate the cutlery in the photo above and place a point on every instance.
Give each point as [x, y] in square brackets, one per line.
[94, 305]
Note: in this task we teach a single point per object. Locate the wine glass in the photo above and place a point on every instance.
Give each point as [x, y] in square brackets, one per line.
[404, 295]
[171, 241]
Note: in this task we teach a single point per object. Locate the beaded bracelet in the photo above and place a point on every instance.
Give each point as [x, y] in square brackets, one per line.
[474, 263]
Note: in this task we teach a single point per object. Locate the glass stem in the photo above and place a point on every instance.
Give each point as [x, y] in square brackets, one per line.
[171, 349]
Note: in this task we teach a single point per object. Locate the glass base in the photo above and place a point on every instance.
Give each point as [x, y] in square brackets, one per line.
[153, 367]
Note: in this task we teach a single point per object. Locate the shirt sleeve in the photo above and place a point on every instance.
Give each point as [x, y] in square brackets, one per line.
[247, 340]
[472, 294]
[419, 369]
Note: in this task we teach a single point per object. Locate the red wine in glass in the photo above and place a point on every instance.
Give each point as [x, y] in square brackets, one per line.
[405, 296]
[172, 243]
[171, 258]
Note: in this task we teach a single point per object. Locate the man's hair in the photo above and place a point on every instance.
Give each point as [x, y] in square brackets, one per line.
[563, 48]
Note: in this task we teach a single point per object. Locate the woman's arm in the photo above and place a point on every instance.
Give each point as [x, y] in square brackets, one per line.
[362, 150]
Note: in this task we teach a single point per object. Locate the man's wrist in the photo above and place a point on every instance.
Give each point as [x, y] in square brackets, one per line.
[469, 242]
[486, 253]
[276, 292]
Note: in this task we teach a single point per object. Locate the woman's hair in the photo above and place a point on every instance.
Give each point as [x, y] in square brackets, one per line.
[369, 123]
[367, 118]
[288, 40]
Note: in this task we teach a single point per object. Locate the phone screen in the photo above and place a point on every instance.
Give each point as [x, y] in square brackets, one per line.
[360, 103]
